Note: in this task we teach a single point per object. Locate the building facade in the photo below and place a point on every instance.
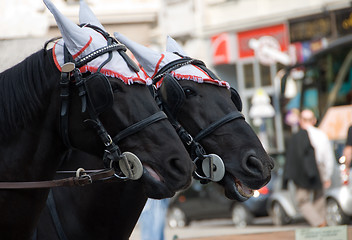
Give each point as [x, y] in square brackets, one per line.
[28, 24]
[252, 40]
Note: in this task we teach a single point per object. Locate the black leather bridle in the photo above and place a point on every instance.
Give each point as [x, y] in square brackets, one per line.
[195, 149]
[72, 76]
[113, 155]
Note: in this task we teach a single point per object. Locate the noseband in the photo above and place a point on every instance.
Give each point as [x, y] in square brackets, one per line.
[209, 167]
[126, 165]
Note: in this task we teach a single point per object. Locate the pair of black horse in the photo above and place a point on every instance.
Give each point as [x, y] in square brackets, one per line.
[61, 99]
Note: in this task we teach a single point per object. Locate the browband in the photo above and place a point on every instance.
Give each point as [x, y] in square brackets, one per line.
[175, 65]
[99, 52]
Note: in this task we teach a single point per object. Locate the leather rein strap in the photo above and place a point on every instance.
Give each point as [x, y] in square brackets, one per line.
[81, 180]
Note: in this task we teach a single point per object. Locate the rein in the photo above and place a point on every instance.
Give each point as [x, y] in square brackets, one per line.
[82, 178]
[208, 162]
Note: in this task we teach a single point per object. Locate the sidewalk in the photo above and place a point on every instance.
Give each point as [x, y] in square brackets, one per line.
[223, 229]
[279, 235]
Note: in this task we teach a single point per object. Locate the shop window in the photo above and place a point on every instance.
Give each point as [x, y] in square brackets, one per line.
[265, 75]
[248, 75]
[227, 72]
[265, 129]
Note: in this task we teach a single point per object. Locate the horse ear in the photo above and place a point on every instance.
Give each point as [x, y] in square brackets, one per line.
[173, 46]
[75, 38]
[146, 57]
[87, 16]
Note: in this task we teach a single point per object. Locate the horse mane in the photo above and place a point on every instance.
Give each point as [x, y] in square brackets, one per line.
[23, 88]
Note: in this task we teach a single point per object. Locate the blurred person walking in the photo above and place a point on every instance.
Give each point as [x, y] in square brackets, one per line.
[309, 163]
[153, 218]
[347, 151]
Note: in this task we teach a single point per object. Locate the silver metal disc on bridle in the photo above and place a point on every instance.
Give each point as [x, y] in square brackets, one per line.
[217, 172]
[134, 169]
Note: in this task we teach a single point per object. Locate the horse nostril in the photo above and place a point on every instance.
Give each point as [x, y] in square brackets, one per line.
[176, 166]
[253, 166]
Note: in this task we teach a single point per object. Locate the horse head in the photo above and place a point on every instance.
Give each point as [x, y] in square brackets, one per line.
[111, 108]
[209, 110]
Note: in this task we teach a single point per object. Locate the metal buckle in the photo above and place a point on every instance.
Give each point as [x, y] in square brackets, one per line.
[212, 166]
[81, 174]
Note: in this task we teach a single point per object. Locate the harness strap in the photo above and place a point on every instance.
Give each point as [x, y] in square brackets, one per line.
[229, 117]
[101, 51]
[50, 203]
[122, 51]
[109, 57]
[136, 127]
[65, 182]
[175, 65]
[65, 94]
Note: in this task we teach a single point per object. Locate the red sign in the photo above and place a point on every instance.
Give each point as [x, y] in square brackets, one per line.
[221, 45]
[279, 32]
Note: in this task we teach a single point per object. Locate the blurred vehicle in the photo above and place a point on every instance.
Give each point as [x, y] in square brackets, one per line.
[282, 206]
[339, 199]
[200, 202]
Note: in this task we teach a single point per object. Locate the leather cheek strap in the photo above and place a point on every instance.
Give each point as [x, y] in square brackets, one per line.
[211, 128]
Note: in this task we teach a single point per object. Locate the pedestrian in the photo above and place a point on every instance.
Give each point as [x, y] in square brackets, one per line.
[309, 163]
[153, 218]
[347, 151]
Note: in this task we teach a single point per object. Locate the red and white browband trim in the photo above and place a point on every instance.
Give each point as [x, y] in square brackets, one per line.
[117, 68]
[200, 79]
[192, 73]
[110, 73]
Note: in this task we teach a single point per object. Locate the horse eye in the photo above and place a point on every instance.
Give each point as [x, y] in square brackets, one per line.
[189, 92]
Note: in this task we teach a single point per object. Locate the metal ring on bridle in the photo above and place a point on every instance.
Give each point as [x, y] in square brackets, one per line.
[212, 166]
[117, 174]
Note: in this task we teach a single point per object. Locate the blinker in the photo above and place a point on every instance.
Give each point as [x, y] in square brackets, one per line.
[99, 91]
[172, 94]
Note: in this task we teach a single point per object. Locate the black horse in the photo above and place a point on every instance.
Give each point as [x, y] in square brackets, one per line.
[206, 111]
[44, 110]
[193, 107]
[197, 106]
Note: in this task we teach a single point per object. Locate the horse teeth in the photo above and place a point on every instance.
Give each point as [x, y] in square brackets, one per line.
[243, 190]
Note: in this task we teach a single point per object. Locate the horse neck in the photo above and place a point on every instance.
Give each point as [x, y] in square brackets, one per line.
[33, 141]
[117, 207]
[32, 153]
[118, 204]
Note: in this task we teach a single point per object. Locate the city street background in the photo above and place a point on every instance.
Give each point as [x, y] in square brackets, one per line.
[210, 229]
